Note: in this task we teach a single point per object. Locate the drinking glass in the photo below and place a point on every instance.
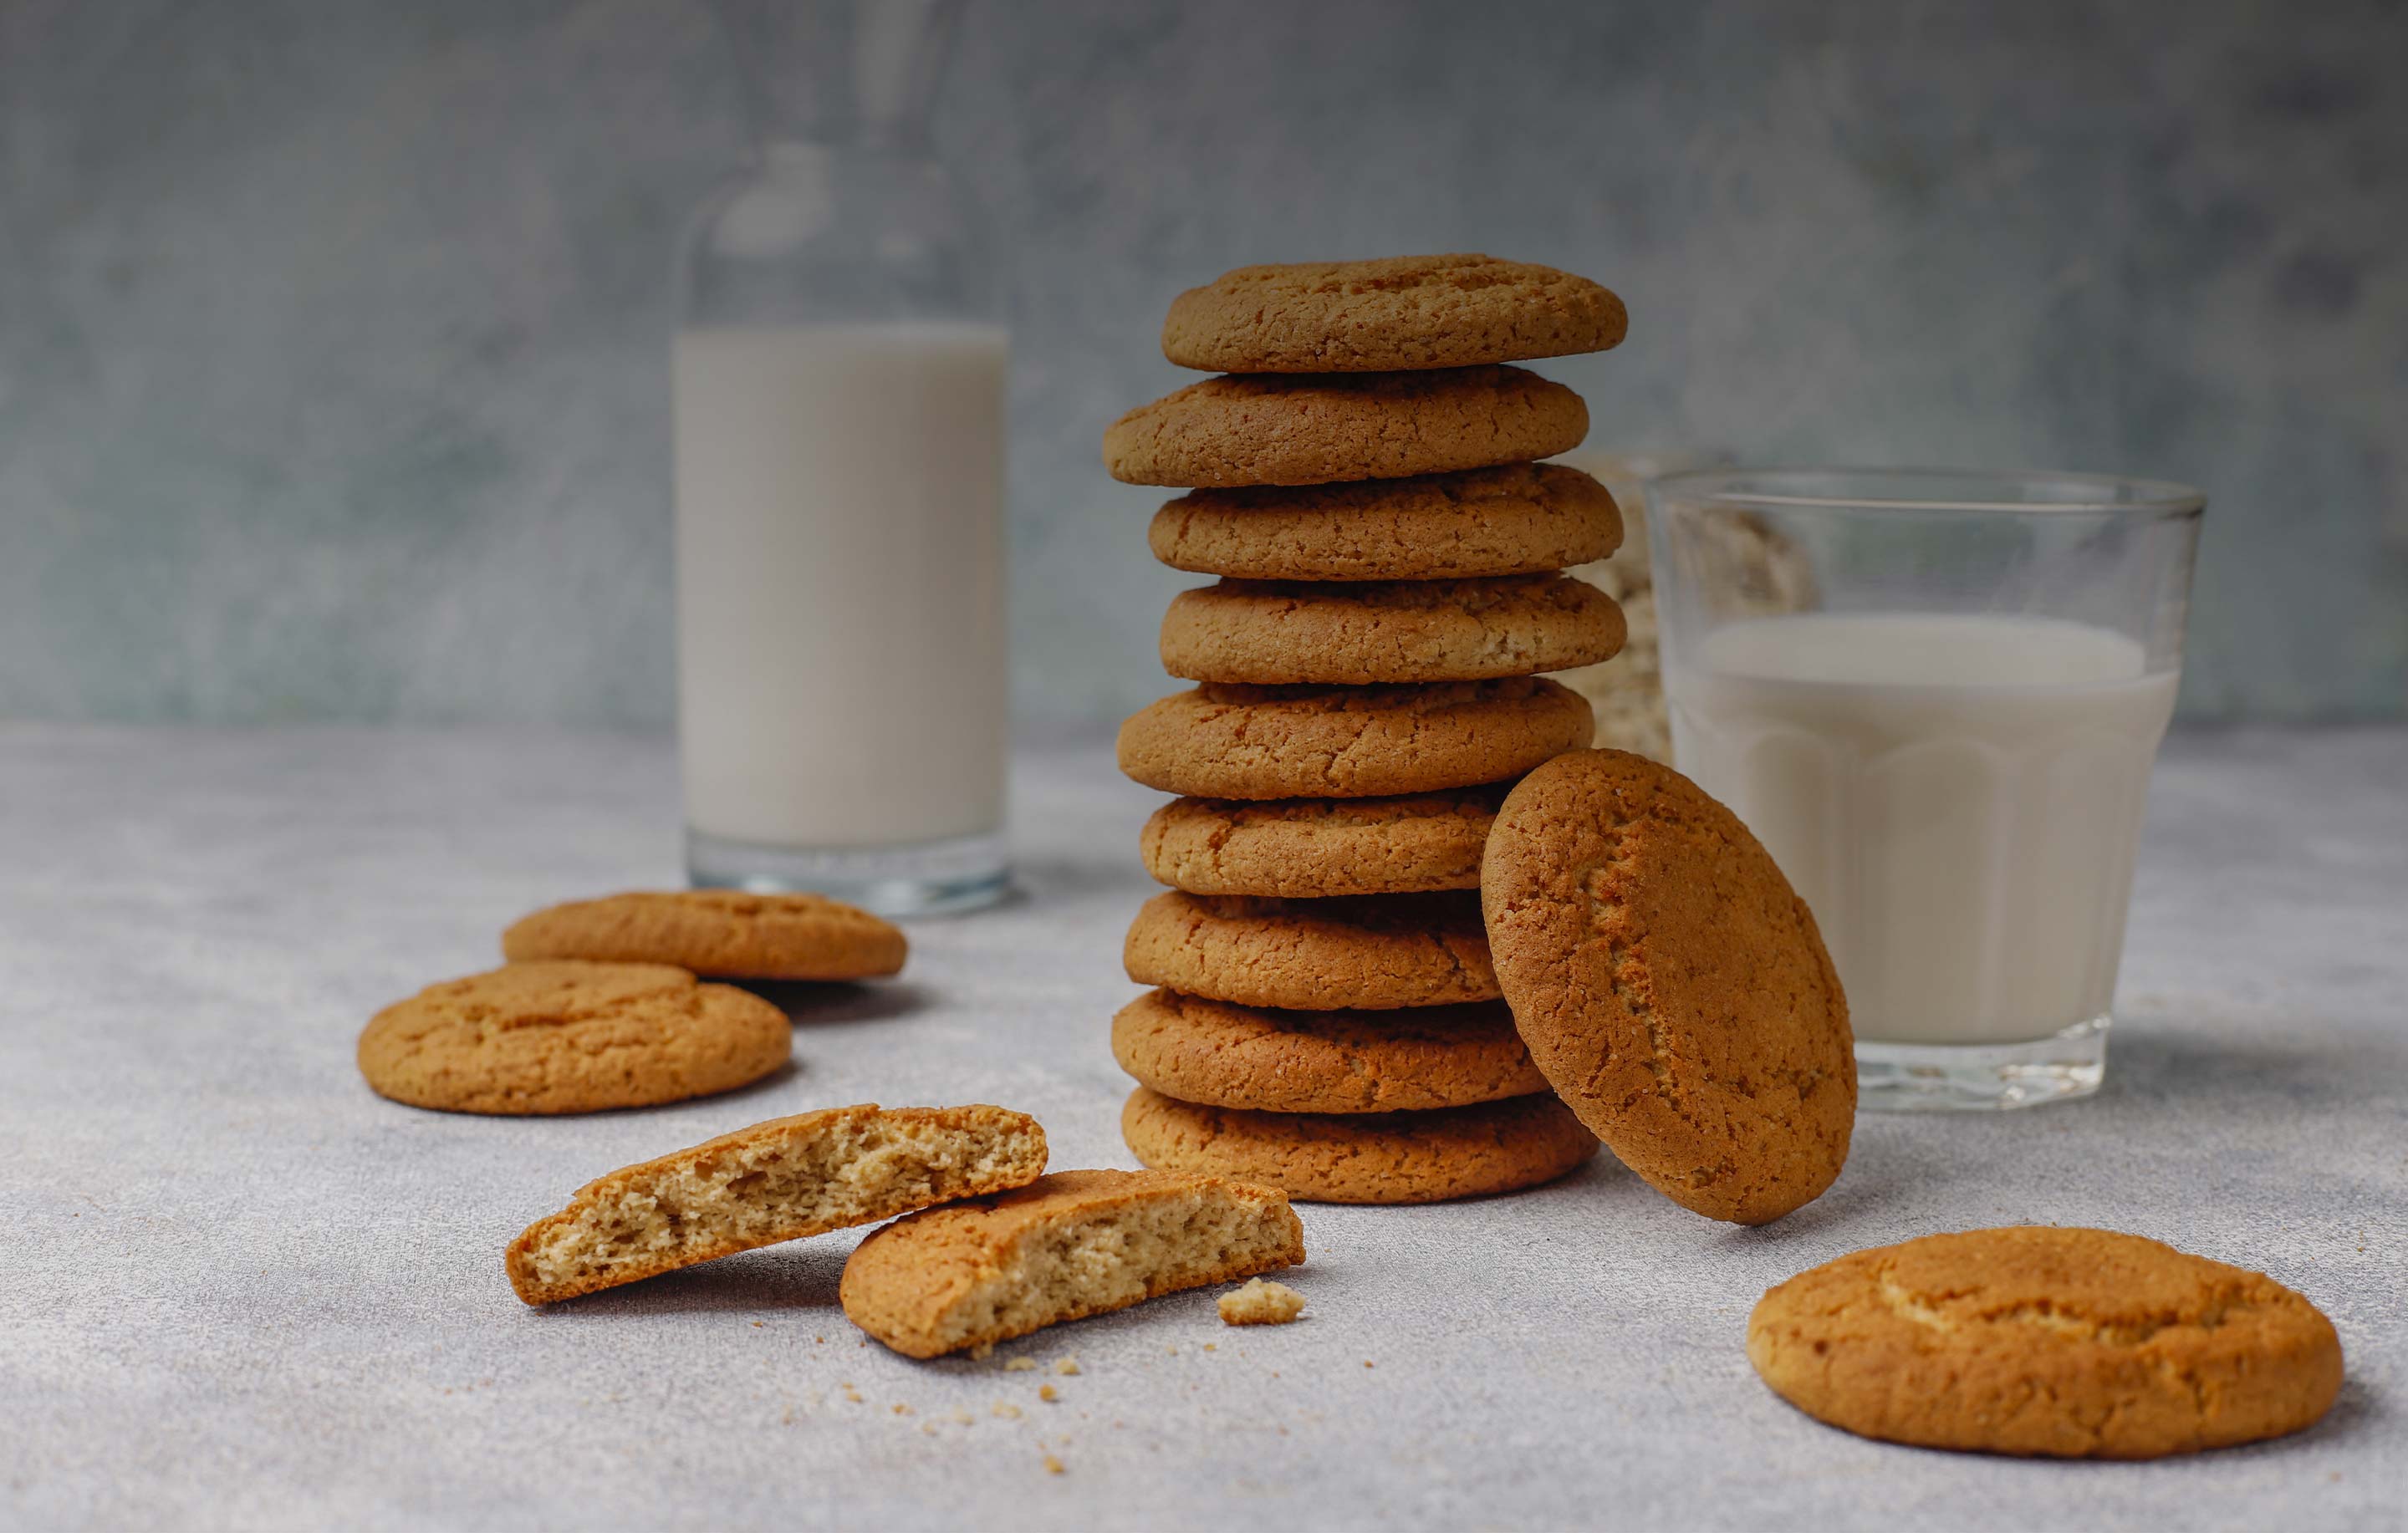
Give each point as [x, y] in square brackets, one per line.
[1935, 697]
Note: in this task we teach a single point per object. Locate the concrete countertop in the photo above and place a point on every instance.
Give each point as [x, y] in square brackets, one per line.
[239, 1290]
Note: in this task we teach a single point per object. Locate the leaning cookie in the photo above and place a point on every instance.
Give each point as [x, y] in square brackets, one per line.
[1227, 432]
[1384, 1157]
[727, 932]
[1273, 633]
[1314, 848]
[1222, 741]
[1517, 520]
[2078, 1343]
[1671, 986]
[1313, 954]
[1220, 1055]
[570, 1036]
[1070, 1245]
[778, 1181]
[1404, 311]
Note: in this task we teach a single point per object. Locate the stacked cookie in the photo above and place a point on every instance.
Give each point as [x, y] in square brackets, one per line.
[1365, 481]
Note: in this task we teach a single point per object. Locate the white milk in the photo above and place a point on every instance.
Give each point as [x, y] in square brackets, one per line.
[841, 676]
[1957, 798]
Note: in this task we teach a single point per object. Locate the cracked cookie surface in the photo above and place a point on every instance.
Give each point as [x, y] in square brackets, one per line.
[1400, 311]
[1516, 520]
[1671, 986]
[2040, 1340]
[732, 932]
[1311, 848]
[1368, 954]
[570, 1036]
[1381, 1157]
[1275, 632]
[1221, 1055]
[1230, 741]
[1263, 429]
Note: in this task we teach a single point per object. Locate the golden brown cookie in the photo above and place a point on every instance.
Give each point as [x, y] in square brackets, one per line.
[570, 1036]
[1227, 431]
[1219, 1054]
[1369, 953]
[1277, 633]
[1671, 986]
[2073, 1343]
[1349, 742]
[727, 932]
[1066, 1246]
[1385, 1157]
[1311, 848]
[1517, 520]
[776, 1181]
[1373, 316]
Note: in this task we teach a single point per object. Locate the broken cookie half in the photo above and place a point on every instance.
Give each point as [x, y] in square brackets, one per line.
[1070, 1245]
[776, 1181]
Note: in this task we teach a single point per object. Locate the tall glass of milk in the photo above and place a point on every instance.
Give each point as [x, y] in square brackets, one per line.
[839, 412]
[1935, 698]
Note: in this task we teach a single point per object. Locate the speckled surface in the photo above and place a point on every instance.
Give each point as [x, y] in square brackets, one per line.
[335, 352]
[242, 1292]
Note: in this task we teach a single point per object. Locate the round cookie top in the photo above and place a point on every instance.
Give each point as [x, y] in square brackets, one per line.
[1313, 954]
[1516, 520]
[1313, 848]
[1273, 633]
[570, 1036]
[715, 931]
[1671, 986]
[1224, 1055]
[2081, 1343]
[1403, 312]
[1219, 742]
[1375, 1157]
[1227, 432]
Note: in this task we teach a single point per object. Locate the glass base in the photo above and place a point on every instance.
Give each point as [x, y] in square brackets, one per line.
[1982, 1077]
[924, 878]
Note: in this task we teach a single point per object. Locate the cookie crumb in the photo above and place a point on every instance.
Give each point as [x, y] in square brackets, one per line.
[1260, 1303]
[902, 1410]
[1045, 1392]
[1021, 1365]
[1053, 1464]
[1067, 1367]
[1008, 1410]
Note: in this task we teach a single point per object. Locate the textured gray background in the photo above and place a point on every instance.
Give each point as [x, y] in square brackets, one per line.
[332, 367]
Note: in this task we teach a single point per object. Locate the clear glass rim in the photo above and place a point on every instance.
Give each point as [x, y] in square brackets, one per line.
[1888, 490]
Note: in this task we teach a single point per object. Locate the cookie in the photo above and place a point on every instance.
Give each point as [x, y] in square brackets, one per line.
[1671, 986]
[1349, 742]
[570, 1036]
[1066, 1246]
[2072, 1343]
[715, 932]
[1313, 954]
[1375, 316]
[1385, 1158]
[1517, 520]
[777, 1181]
[1219, 1054]
[1311, 848]
[1227, 432]
[1276, 633]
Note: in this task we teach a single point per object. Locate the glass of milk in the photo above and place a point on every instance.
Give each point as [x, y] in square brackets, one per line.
[839, 414]
[1935, 697]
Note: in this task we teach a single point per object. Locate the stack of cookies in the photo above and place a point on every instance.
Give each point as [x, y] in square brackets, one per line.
[1366, 484]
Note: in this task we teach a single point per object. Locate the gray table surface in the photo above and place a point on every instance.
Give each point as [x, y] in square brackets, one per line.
[238, 1290]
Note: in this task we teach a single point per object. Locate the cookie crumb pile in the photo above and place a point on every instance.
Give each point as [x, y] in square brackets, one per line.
[1364, 479]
